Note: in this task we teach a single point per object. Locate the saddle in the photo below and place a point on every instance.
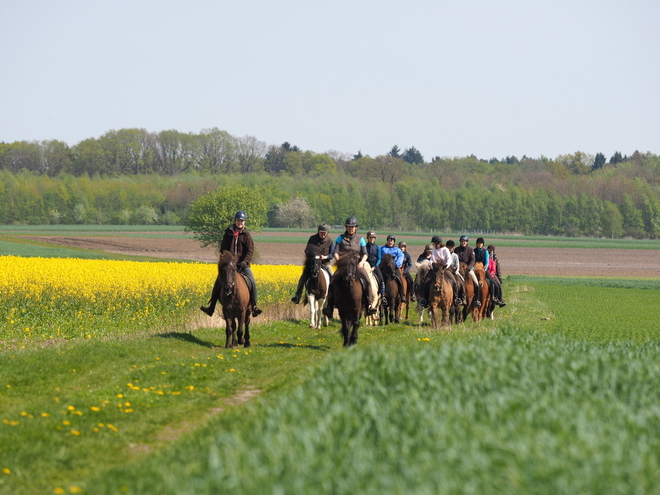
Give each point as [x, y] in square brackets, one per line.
[248, 282]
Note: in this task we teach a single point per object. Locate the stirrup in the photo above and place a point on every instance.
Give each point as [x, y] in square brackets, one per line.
[477, 304]
[383, 301]
[371, 311]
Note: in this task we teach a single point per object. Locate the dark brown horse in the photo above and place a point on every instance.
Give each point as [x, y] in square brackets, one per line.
[235, 299]
[387, 268]
[317, 288]
[347, 296]
[408, 291]
[440, 296]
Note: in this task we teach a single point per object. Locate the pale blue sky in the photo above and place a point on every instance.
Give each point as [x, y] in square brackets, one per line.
[452, 78]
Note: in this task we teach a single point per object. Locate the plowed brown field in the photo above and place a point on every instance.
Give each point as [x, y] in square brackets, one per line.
[513, 260]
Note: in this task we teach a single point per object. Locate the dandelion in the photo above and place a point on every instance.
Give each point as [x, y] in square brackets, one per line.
[58, 491]
[75, 432]
[95, 408]
[44, 414]
[6, 470]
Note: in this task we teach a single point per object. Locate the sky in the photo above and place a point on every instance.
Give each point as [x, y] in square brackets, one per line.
[451, 78]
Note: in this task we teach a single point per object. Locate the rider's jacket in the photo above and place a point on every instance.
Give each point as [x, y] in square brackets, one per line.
[239, 242]
[407, 262]
[322, 247]
[350, 243]
[465, 255]
[396, 253]
[373, 254]
[481, 256]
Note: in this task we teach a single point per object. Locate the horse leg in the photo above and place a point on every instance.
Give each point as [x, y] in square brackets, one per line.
[246, 342]
[312, 311]
[229, 332]
[434, 316]
[354, 333]
[319, 306]
[344, 331]
[239, 333]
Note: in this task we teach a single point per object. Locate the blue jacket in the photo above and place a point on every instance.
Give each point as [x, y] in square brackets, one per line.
[396, 253]
[373, 253]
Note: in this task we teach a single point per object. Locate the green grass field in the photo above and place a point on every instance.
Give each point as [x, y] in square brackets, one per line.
[559, 394]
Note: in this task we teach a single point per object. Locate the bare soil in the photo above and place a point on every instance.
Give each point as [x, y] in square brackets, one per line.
[513, 260]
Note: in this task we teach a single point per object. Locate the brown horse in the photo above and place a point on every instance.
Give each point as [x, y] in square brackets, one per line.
[479, 314]
[347, 296]
[387, 268]
[441, 295]
[317, 288]
[235, 300]
[421, 289]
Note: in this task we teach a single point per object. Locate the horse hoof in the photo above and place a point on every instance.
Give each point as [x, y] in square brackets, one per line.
[247, 344]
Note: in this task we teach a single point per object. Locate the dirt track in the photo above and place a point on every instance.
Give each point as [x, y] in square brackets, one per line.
[514, 261]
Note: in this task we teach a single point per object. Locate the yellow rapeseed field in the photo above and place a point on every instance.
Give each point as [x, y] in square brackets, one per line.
[65, 297]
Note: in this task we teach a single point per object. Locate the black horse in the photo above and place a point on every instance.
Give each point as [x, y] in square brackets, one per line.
[347, 296]
[387, 268]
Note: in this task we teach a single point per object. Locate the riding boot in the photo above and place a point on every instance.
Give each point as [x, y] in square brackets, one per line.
[369, 310]
[402, 295]
[383, 300]
[256, 310]
[500, 301]
[215, 296]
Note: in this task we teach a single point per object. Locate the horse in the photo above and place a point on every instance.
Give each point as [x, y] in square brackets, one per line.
[441, 295]
[235, 300]
[387, 268]
[347, 296]
[421, 292]
[317, 288]
[479, 314]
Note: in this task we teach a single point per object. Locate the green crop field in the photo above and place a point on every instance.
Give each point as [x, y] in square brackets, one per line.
[558, 394]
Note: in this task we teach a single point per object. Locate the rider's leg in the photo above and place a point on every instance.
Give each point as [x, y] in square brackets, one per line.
[381, 283]
[399, 282]
[411, 286]
[477, 291]
[215, 296]
[301, 283]
[256, 310]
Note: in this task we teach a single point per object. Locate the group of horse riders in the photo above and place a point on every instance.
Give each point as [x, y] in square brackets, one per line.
[370, 252]
[238, 241]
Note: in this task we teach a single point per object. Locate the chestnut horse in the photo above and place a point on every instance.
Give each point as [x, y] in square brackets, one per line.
[441, 295]
[347, 295]
[479, 314]
[235, 300]
[407, 291]
[387, 268]
[317, 288]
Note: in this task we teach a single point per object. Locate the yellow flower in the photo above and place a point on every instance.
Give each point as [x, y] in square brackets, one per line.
[75, 432]
[6, 470]
[95, 409]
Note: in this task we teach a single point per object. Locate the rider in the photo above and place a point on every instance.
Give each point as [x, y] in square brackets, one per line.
[373, 258]
[442, 255]
[455, 265]
[239, 242]
[481, 255]
[322, 244]
[466, 255]
[426, 255]
[350, 241]
[495, 276]
[398, 256]
[407, 265]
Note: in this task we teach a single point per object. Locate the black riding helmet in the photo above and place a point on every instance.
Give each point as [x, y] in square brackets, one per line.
[351, 222]
[464, 238]
[391, 237]
[480, 240]
[450, 243]
[240, 215]
[436, 239]
[324, 227]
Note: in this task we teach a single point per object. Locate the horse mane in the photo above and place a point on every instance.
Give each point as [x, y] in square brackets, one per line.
[226, 257]
[387, 265]
[345, 262]
[311, 252]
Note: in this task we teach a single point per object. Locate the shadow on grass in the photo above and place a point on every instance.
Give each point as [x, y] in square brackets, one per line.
[286, 345]
[186, 337]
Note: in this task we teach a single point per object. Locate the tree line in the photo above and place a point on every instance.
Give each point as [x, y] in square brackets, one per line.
[132, 176]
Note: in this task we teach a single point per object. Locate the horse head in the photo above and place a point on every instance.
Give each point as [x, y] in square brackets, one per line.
[313, 261]
[480, 272]
[347, 267]
[438, 276]
[387, 266]
[227, 269]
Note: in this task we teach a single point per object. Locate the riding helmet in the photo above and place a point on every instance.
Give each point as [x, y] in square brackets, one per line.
[430, 247]
[450, 243]
[240, 215]
[391, 237]
[464, 238]
[324, 227]
[480, 240]
[351, 222]
[402, 244]
[436, 239]
[490, 247]
[371, 233]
